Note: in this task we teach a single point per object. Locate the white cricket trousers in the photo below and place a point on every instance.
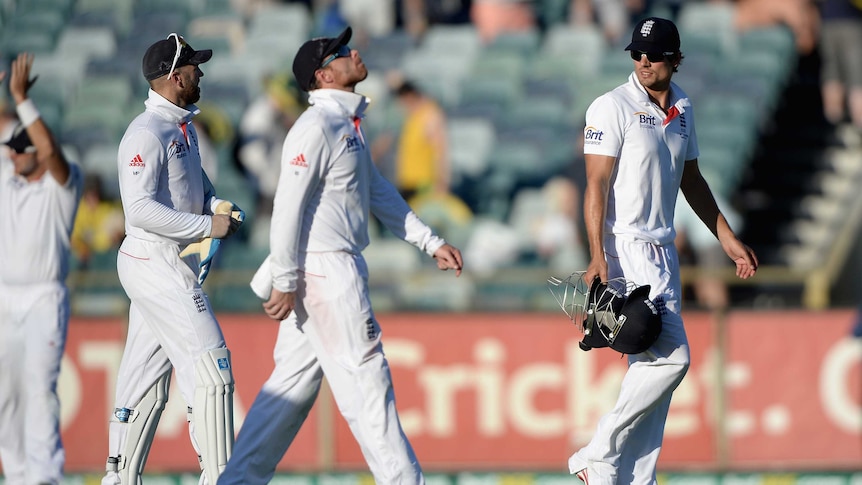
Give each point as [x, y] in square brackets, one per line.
[33, 323]
[627, 442]
[171, 324]
[332, 332]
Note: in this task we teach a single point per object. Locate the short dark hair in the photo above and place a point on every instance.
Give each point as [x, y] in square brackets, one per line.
[407, 87]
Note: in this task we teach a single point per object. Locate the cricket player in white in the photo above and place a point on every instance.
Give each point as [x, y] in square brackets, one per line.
[641, 148]
[169, 204]
[39, 194]
[316, 280]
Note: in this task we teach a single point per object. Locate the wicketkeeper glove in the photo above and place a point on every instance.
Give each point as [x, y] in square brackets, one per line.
[208, 246]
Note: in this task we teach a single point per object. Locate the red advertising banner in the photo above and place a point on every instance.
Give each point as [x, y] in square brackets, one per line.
[514, 392]
[795, 390]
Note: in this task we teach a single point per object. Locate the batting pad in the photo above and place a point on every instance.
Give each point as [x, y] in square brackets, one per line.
[213, 411]
[142, 422]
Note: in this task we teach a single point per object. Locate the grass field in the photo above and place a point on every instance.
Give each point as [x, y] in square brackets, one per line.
[689, 478]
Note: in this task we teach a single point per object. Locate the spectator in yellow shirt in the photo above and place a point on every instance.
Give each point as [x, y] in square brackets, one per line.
[99, 224]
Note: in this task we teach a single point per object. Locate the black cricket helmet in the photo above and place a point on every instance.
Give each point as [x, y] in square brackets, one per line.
[617, 314]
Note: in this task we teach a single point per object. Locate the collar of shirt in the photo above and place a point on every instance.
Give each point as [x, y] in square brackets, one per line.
[351, 104]
[169, 111]
[678, 98]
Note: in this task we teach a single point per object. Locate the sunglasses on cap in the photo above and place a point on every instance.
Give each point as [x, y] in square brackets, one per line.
[23, 150]
[181, 43]
[651, 56]
[343, 51]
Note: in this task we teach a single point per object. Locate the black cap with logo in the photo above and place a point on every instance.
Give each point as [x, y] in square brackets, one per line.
[655, 34]
[19, 142]
[311, 54]
[160, 57]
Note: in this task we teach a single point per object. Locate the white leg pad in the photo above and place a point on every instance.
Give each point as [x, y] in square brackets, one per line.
[142, 422]
[213, 411]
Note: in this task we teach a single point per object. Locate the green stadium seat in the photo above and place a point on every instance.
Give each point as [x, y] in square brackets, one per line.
[453, 40]
[89, 42]
[523, 44]
[582, 47]
[470, 143]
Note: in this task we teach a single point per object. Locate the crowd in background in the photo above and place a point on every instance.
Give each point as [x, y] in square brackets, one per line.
[413, 151]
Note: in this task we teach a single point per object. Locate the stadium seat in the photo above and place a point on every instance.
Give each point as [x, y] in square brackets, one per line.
[523, 44]
[715, 19]
[63, 7]
[15, 41]
[48, 21]
[503, 92]
[471, 141]
[96, 90]
[528, 205]
[583, 46]
[448, 70]
[114, 13]
[452, 40]
[548, 112]
[214, 31]
[102, 160]
[292, 20]
[500, 64]
[90, 42]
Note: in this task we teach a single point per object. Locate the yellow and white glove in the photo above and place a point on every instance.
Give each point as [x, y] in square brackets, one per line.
[208, 246]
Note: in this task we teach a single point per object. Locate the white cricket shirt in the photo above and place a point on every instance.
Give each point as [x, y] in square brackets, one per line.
[36, 221]
[164, 190]
[328, 186]
[651, 150]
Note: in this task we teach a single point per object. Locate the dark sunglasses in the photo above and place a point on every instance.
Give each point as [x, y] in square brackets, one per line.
[343, 51]
[23, 150]
[651, 56]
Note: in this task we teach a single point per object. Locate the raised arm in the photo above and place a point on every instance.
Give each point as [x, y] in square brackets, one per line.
[48, 152]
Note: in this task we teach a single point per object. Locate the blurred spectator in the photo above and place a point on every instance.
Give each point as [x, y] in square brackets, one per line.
[262, 130]
[856, 331]
[209, 155]
[698, 247]
[99, 224]
[422, 153]
[8, 119]
[557, 231]
[418, 15]
[613, 16]
[800, 16]
[841, 61]
[493, 17]
[368, 18]
[491, 246]
[422, 172]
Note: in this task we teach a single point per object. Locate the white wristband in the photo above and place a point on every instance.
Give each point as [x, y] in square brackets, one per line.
[27, 112]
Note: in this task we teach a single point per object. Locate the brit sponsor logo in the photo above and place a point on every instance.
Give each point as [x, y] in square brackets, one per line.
[593, 136]
[299, 161]
[137, 164]
[353, 143]
[223, 363]
[177, 148]
[645, 119]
